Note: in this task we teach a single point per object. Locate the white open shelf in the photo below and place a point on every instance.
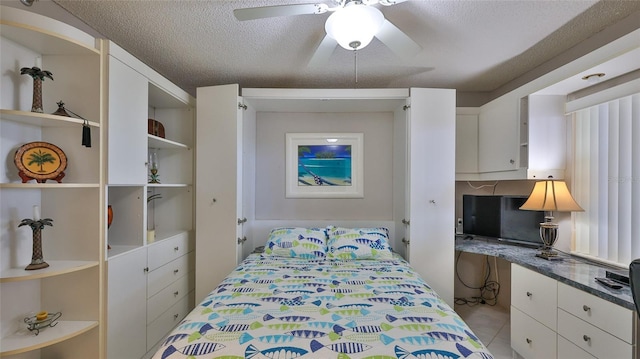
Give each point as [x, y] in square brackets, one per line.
[55, 268]
[24, 340]
[159, 142]
[50, 184]
[43, 119]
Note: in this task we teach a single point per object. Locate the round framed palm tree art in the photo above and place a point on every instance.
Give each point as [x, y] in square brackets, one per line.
[40, 161]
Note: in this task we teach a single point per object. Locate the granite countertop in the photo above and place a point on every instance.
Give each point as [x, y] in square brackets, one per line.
[571, 270]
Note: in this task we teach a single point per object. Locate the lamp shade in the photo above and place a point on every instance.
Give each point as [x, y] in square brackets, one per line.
[551, 196]
[354, 26]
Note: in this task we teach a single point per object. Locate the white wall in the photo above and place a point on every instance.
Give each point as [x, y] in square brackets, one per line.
[271, 203]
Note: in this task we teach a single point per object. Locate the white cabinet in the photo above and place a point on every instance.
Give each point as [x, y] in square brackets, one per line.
[73, 247]
[219, 133]
[498, 138]
[550, 319]
[466, 141]
[516, 138]
[127, 300]
[532, 322]
[599, 327]
[423, 123]
[431, 193]
[150, 290]
[127, 128]
[153, 219]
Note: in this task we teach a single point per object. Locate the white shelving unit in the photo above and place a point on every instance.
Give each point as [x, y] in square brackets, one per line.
[73, 246]
[142, 264]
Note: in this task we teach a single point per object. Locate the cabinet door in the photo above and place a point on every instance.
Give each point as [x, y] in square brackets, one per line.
[128, 91]
[127, 305]
[431, 168]
[466, 143]
[217, 129]
[498, 147]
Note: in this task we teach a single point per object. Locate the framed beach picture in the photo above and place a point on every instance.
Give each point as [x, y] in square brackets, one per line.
[324, 165]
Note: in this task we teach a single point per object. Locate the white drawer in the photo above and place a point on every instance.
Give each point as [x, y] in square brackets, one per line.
[568, 350]
[531, 339]
[160, 327]
[592, 339]
[163, 252]
[605, 315]
[535, 294]
[169, 296]
[168, 273]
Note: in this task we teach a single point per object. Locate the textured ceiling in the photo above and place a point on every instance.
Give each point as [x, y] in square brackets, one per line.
[472, 46]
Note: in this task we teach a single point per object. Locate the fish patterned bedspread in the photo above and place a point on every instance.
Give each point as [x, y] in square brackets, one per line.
[293, 308]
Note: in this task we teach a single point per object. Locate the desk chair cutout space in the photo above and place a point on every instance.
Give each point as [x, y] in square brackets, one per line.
[634, 281]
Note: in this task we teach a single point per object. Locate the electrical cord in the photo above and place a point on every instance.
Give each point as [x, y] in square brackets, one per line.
[489, 290]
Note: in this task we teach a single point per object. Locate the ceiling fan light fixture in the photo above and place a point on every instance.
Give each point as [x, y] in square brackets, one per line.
[355, 25]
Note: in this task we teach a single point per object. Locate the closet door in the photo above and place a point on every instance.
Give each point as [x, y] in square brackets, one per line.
[431, 184]
[218, 185]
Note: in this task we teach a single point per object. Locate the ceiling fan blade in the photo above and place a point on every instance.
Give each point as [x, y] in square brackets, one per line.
[323, 52]
[397, 40]
[390, 2]
[254, 13]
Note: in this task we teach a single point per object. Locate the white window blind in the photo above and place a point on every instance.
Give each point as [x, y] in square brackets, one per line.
[606, 181]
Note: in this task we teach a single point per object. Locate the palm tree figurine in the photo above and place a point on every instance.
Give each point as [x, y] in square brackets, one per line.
[37, 261]
[38, 76]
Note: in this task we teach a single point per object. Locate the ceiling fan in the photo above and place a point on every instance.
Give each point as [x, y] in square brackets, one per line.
[352, 25]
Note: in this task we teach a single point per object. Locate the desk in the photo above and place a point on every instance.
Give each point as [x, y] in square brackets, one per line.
[572, 271]
[558, 310]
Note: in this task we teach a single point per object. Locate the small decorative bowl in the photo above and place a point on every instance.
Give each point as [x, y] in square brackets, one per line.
[33, 324]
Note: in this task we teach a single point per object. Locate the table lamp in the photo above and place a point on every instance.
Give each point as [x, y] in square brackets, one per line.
[549, 196]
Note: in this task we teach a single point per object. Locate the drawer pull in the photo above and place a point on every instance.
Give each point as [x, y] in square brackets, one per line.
[529, 341]
[586, 308]
[175, 294]
[175, 271]
[529, 294]
[176, 248]
[586, 338]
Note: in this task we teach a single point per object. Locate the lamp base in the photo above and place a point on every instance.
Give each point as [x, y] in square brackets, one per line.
[550, 256]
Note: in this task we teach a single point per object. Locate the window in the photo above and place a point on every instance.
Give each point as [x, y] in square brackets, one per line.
[606, 180]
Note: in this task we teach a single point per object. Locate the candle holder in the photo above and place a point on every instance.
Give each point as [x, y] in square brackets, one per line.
[37, 261]
[153, 167]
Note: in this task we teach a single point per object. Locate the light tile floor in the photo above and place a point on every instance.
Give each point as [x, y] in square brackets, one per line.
[491, 325]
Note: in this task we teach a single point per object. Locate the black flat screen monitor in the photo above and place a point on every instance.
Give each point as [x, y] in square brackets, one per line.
[500, 217]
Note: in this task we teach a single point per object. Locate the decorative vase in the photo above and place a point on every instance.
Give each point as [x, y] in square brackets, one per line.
[109, 216]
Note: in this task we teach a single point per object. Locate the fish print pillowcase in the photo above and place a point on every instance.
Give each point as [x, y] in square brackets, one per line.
[358, 243]
[296, 242]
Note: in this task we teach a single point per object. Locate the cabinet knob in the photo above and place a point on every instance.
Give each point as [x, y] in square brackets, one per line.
[405, 241]
[175, 271]
[529, 294]
[586, 308]
[176, 248]
[175, 316]
[586, 338]
[242, 220]
[512, 161]
[405, 221]
[529, 341]
[175, 294]
[146, 269]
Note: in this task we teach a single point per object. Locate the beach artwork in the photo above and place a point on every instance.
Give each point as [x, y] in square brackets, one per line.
[324, 165]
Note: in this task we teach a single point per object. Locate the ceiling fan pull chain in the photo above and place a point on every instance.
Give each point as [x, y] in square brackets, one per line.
[355, 67]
